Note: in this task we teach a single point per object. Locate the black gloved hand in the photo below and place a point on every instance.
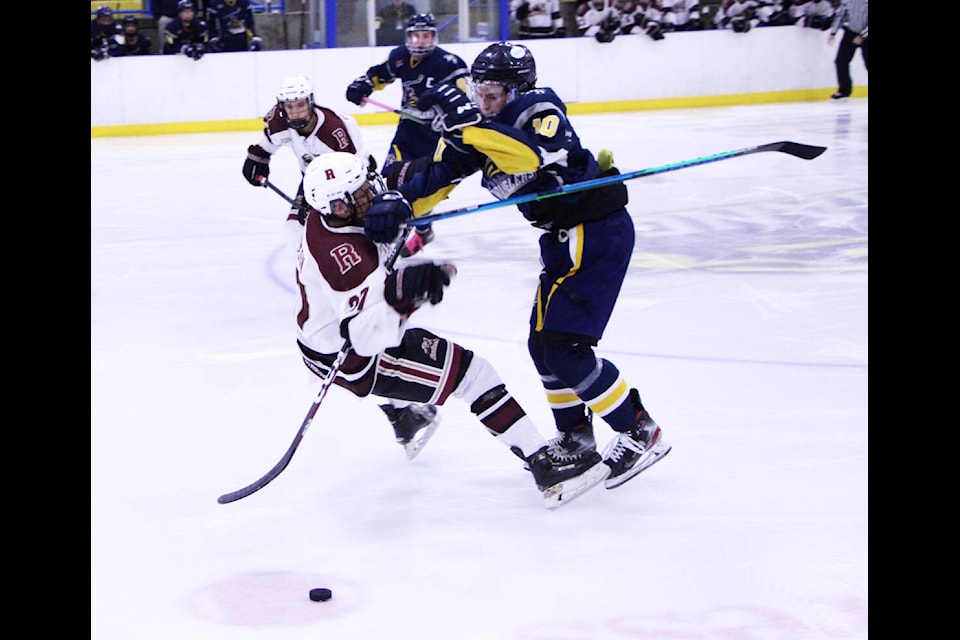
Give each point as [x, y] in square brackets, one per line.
[98, 54]
[384, 217]
[454, 107]
[256, 43]
[523, 11]
[407, 289]
[256, 168]
[359, 89]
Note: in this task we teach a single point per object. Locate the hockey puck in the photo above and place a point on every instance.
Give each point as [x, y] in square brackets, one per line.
[320, 595]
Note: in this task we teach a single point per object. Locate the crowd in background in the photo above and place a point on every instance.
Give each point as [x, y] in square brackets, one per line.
[191, 28]
[196, 27]
[606, 19]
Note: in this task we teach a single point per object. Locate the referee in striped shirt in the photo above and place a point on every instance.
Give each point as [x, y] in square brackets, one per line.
[852, 17]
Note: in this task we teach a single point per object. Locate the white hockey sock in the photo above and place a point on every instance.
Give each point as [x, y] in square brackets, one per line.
[523, 435]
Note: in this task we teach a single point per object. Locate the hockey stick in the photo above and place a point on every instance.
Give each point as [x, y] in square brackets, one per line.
[325, 385]
[796, 149]
[280, 193]
[402, 114]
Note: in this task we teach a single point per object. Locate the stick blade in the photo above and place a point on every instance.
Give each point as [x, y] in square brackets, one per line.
[796, 149]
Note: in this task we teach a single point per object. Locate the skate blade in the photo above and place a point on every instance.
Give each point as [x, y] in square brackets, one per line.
[564, 492]
[656, 453]
[413, 447]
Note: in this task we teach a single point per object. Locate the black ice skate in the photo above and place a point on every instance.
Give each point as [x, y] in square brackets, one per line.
[635, 450]
[561, 479]
[413, 425]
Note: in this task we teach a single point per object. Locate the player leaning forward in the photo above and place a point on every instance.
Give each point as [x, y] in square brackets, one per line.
[310, 130]
[522, 142]
[347, 293]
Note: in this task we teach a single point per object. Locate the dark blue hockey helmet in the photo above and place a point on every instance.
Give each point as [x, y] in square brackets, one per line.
[186, 4]
[418, 44]
[507, 63]
[103, 11]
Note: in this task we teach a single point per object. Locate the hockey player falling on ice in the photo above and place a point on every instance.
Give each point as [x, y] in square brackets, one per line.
[521, 140]
[419, 64]
[347, 293]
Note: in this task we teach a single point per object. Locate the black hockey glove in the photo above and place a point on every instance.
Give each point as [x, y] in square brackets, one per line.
[194, 51]
[256, 43]
[256, 168]
[359, 89]
[407, 289]
[523, 11]
[384, 217]
[455, 111]
[98, 54]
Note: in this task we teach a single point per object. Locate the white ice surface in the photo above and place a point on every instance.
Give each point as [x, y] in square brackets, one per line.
[743, 323]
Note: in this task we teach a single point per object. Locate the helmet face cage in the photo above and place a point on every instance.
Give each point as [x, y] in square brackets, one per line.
[339, 176]
[508, 64]
[294, 88]
[421, 22]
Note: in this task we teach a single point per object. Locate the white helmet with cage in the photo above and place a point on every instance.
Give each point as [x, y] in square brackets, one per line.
[337, 176]
[296, 87]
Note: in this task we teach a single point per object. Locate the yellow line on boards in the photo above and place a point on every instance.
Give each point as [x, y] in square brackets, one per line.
[256, 124]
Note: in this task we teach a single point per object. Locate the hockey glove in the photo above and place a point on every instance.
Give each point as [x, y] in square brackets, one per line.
[455, 111]
[359, 89]
[256, 42]
[384, 217]
[523, 11]
[215, 44]
[407, 289]
[256, 168]
[98, 54]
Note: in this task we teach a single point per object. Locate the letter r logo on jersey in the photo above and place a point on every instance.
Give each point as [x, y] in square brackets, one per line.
[345, 256]
[342, 138]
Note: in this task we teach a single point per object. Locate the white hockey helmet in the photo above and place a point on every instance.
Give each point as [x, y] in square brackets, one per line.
[334, 176]
[294, 87]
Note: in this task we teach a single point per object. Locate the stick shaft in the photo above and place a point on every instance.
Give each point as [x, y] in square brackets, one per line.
[402, 114]
[796, 149]
[325, 385]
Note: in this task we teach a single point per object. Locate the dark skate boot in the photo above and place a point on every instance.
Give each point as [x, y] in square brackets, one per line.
[633, 451]
[413, 425]
[561, 479]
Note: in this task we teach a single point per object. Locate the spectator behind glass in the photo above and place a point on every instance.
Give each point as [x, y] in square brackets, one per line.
[538, 18]
[231, 26]
[568, 14]
[105, 35]
[736, 15]
[681, 15]
[391, 22]
[163, 11]
[134, 42]
[816, 14]
[187, 33]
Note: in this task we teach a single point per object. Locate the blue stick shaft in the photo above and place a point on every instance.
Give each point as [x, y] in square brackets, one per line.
[804, 151]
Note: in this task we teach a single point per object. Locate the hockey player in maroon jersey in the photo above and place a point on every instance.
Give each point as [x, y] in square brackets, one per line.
[310, 130]
[347, 293]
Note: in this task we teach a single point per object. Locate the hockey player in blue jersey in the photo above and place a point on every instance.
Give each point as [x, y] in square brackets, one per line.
[519, 137]
[419, 65]
[231, 26]
[105, 35]
[187, 33]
